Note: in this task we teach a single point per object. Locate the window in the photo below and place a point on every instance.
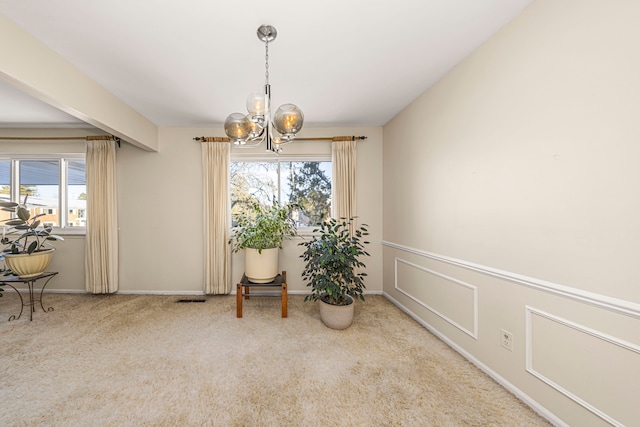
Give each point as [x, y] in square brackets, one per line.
[56, 186]
[5, 186]
[304, 182]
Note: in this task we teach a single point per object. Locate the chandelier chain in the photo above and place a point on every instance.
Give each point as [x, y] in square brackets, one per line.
[266, 62]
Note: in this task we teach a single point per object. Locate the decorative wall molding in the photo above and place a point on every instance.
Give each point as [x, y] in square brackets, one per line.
[473, 333]
[530, 312]
[617, 305]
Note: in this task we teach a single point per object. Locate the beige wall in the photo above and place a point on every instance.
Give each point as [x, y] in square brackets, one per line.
[160, 210]
[511, 202]
[160, 206]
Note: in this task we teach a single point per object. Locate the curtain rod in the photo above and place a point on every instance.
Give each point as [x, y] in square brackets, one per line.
[35, 138]
[332, 138]
[61, 138]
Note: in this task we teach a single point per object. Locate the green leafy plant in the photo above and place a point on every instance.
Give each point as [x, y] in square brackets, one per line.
[32, 235]
[332, 260]
[263, 227]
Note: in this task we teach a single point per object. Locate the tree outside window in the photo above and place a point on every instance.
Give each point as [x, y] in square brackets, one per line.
[305, 183]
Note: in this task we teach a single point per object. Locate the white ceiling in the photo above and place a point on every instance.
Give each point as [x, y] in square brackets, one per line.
[193, 62]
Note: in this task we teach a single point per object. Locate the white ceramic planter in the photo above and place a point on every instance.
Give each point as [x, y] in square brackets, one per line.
[261, 267]
[337, 316]
[29, 265]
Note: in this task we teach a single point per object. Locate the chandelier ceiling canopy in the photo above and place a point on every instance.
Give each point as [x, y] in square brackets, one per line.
[258, 126]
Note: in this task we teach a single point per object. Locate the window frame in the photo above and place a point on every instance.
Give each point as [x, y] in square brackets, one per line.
[254, 157]
[63, 176]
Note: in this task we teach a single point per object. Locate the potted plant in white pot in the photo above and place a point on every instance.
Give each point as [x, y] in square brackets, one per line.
[333, 270]
[27, 255]
[260, 232]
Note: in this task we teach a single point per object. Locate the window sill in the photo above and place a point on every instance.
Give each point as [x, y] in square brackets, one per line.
[69, 232]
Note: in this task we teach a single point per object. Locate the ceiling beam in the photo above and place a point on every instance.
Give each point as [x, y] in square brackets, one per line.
[38, 71]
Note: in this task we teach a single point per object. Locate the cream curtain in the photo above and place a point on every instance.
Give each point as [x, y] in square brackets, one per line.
[101, 253]
[343, 155]
[217, 253]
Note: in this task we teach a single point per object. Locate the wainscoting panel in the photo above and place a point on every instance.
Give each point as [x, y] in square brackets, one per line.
[616, 305]
[560, 352]
[453, 300]
[576, 355]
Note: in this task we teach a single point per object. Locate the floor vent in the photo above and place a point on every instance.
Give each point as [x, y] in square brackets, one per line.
[191, 300]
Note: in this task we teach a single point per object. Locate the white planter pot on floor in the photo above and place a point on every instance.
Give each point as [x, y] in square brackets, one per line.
[337, 316]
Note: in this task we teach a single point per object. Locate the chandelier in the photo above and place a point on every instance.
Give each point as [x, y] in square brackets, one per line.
[258, 126]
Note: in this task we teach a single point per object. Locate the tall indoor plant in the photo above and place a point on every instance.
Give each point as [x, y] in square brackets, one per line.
[26, 254]
[333, 269]
[260, 232]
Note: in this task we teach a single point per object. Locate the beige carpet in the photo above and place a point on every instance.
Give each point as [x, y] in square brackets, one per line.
[128, 360]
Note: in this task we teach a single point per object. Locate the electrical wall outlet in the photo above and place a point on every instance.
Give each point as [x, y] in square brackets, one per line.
[506, 339]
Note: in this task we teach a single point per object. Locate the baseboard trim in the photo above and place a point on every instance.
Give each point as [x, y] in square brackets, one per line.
[51, 291]
[133, 292]
[157, 292]
[119, 292]
[302, 292]
[541, 410]
[617, 305]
